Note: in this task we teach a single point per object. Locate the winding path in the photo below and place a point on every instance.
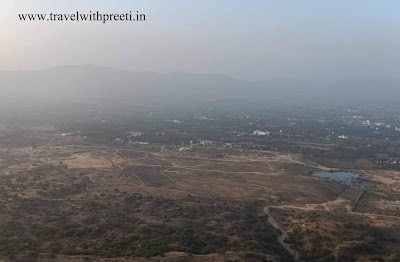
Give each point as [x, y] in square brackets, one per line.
[283, 236]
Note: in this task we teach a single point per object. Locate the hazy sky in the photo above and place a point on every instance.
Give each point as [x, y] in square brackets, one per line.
[250, 39]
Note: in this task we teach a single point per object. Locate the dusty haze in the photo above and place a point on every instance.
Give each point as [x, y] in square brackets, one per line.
[330, 42]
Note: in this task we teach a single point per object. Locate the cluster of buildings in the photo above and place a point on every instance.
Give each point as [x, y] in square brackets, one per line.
[203, 143]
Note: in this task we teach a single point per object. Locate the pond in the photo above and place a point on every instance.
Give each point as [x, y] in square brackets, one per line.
[341, 177]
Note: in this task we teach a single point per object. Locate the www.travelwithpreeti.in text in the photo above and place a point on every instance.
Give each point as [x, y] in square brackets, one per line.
[84, 17]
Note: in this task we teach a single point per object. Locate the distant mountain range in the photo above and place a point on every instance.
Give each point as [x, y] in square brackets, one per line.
[96, 84]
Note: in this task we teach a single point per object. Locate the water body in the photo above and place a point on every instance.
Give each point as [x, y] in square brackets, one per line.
[341, 177]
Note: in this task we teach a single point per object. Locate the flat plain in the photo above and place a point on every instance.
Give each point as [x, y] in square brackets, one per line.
[68, 200]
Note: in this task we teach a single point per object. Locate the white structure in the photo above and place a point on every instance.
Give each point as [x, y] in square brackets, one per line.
[260, 133]
[343, 137]
[174, 121]
[206, 143]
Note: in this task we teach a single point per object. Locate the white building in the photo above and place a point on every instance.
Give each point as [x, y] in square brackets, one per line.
[206, 143]
[184, 148]
[260, 133]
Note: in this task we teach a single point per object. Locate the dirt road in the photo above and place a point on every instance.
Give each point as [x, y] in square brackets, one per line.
[283, 236]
